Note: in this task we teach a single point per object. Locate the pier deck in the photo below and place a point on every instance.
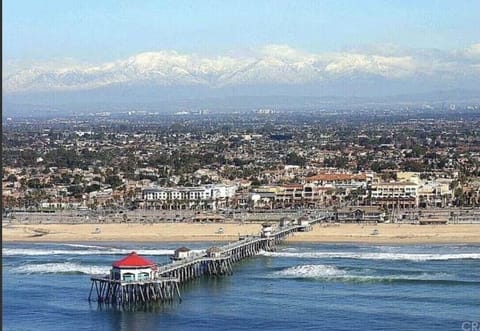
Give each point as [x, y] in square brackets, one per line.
[165, 286]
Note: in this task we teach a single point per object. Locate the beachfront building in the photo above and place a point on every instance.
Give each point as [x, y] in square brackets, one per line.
[133, 268]
[334, 187]
[394, 195]
[341, 180]
[313, 195]
[434, 194]
[408, 176]
[262, 199]
[210, 196]
[242, 200]
[360, 214]
[288, 196]
[296, 195]
[471, 193]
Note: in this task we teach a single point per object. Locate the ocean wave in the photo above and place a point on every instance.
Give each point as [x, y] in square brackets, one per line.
[332, 273]
[83, 246]
[61, 268]
[376, 256]
[310, 271]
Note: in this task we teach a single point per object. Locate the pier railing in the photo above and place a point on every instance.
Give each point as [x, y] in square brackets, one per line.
[164, 286]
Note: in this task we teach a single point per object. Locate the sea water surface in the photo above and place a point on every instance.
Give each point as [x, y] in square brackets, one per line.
[298, 287]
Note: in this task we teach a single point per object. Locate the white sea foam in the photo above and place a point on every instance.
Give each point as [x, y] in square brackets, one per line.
[329, 272]
[376, 256]
[291, 249]
[310, 271]
[85, 246]
[427, 277]
[63, 267]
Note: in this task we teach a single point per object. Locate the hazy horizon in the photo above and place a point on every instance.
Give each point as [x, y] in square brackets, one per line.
[109, 52]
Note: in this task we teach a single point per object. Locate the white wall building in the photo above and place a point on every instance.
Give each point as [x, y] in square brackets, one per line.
[395, 194]
[212, 195]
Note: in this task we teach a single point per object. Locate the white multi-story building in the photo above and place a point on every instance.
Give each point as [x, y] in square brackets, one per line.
[341, 180]
[209, 196]
[434, 194]
[394, 194]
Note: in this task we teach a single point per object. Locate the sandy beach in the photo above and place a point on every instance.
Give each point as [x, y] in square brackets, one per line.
[168, 232]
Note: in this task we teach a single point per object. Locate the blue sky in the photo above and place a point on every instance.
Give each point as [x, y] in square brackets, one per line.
[336, 47]
[105, 30]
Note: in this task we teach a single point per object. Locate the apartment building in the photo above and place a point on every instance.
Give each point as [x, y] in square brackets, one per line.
[394, 194]
[209, 196]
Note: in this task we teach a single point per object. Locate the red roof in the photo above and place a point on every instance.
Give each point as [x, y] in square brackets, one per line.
[132, 260]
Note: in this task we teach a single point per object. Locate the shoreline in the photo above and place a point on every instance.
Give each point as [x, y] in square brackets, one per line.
[226, 232]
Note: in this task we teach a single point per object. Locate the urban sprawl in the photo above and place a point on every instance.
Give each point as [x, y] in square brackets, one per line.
[400, 164]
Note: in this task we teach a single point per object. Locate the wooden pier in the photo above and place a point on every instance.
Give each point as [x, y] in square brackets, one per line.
[114, 291]
[164, 285]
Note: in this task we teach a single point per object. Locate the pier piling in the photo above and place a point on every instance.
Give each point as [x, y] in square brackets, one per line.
[165, 286]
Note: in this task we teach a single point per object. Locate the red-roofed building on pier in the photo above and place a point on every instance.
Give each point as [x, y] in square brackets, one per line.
[133, 268]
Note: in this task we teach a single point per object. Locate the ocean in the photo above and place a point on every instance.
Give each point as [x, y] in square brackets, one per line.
[298, 287]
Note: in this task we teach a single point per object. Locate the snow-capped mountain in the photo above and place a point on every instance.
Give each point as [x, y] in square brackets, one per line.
[272, 65]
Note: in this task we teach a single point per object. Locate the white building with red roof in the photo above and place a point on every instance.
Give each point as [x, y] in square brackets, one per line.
[133, 268]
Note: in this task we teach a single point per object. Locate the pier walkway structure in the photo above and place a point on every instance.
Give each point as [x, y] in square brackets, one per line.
[164, 284]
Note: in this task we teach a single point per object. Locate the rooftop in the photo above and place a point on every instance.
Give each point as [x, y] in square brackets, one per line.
[132, 260]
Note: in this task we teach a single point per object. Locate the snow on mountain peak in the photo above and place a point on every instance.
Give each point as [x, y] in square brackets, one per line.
[271, 64]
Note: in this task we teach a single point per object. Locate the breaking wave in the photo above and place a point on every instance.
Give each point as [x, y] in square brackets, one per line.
[310, 271]
[332, 273]
[377, 256]
[61, 268]
[84, 246]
